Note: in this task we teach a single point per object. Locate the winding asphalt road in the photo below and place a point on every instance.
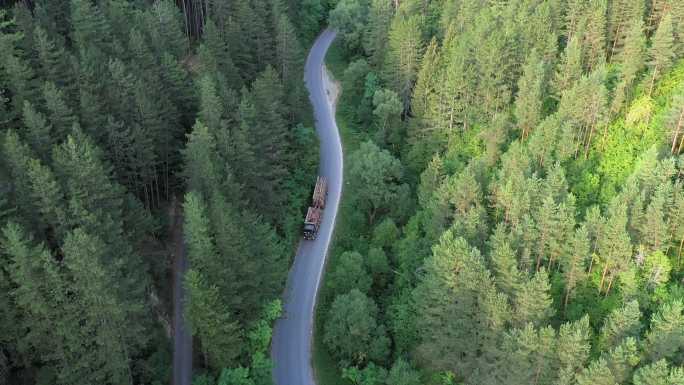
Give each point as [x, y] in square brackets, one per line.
[292, 336]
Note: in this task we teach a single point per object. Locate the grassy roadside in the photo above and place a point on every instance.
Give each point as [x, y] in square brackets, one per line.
[325, 367]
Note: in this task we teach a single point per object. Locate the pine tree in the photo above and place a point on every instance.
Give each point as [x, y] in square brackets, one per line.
[532, 302]
[661, 54]
[54, 16]
[570, 68]
[178, 85]
[202, 170]
[59, 113]
[271, 140]
[164, 20]
[614, 246]
[623, 15]
[217, 58]
[290, 58]
[425, 80]
[17, 156]
[241, 31]
[93, 109]
[597, 373]
[573, 348]
[631, 59]
[450, 107]
[375, 37]
[574, 263]
[595, 35]
[495, 64]
[55, 62]
[49, 198]
[403, 57]
[39, 132]
[529, 100]
[99, 321]
[574, 13]
[264, 34]
[623, 359]
[454, 300]
[20, 80]
[26, 271]
[504, 263]
[528, 356]
[221, 340]
[653, 374]
[546, 219]
[654, 231]
[666, 335]
[207, 312]
[90, 30]
[19, 29]
[211, 107]
[620, 324]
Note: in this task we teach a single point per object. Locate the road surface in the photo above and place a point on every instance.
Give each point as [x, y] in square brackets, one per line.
[182, 340]
[291, 345]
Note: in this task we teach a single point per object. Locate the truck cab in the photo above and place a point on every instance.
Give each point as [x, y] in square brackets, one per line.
[315, 212]
[310, 231]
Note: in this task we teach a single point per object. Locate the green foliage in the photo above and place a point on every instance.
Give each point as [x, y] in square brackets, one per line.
[621, 323]
[370, 375]
[349, 18]
[665, 337]
[403, 374]
[352, 333]
[402, 61]
[349, 273]
[377, 178]
[95, 102]
[575, 225]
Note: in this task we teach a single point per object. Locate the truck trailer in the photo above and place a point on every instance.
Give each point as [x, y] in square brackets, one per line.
[314, 214]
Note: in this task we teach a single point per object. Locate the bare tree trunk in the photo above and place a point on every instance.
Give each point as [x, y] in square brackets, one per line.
[612, 49]
[147, 197]
[678, 128]
[603, 277]
[587, 145]
[156, 184]
[610, 284]
[185, 19]
[650, 88]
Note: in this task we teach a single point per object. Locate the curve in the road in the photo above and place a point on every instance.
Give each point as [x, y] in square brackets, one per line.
[292, 336]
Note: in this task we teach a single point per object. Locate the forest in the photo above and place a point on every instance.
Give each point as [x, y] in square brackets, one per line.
[513, 210]
[114, 114]
[513, 207]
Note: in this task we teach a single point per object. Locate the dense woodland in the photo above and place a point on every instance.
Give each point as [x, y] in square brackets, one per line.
[513, 208]
[513, 211]
[112, 111]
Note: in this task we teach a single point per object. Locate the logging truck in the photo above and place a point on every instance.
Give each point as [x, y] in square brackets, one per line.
[314, 214]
